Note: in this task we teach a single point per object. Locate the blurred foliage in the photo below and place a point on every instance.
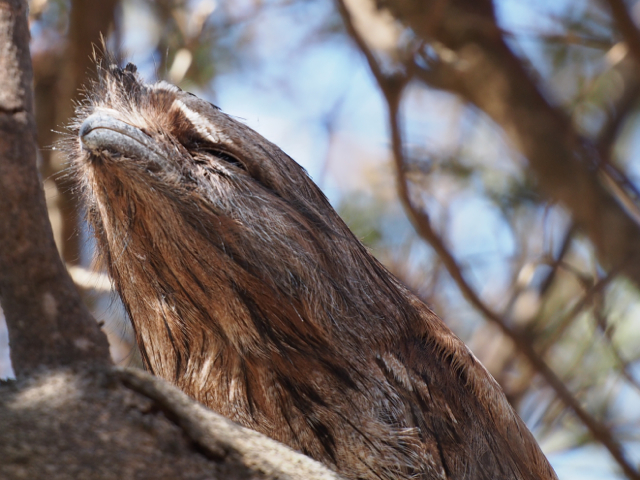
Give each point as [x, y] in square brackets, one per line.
[521, 253]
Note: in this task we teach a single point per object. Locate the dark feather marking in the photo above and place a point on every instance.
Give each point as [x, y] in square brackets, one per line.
[283, 407]
[324, 435]
[247, 386]
[436, 436]
[175, 349]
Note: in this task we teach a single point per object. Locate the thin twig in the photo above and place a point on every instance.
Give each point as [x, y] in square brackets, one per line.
[564, 249]
[619, 114]
[588, 298]
[602, 323]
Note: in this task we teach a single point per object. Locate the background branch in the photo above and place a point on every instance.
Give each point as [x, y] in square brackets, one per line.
[628, 29]
[486, 73]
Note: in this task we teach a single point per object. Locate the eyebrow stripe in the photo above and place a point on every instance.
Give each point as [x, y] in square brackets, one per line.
[166, 86]
[202, 125]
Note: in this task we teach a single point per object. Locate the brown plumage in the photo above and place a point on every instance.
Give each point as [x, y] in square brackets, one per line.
[248, 291]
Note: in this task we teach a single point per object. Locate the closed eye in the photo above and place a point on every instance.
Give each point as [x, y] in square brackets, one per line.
[225, 156]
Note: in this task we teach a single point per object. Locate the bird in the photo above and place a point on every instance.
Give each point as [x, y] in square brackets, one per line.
[248, 291]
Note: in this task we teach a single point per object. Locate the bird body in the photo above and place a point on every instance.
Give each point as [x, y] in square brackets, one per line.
[246, 290]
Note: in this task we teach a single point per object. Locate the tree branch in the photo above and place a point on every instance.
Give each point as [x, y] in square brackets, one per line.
[557, 261]
[48, 324]
[485, 72]
[421, 222]
[587, 300]
[221, 438]
[125, 423]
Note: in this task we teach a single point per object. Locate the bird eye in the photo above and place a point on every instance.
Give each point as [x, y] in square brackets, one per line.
[225, 156]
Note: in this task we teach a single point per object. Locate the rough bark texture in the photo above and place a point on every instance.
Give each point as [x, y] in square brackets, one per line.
[248, 291]
[106, 424]
[48, 324]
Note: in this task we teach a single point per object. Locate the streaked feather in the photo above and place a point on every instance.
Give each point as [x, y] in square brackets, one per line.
[247, 290]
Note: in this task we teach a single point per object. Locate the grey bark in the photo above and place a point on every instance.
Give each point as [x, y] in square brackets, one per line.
[47, 322]
[106, 423]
